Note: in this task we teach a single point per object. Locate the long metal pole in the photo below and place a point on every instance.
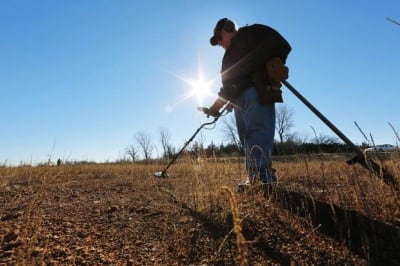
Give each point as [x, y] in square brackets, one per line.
[360, 158]
[324, 119]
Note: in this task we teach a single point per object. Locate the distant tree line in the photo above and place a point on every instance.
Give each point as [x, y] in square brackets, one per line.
[287, 143]
[291, 148]
[279, 148]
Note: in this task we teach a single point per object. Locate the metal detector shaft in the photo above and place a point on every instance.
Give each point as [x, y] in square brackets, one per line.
[369, 164]
[164, 172]
[324, 119]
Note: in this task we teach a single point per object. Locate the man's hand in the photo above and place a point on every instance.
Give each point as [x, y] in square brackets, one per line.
[214, 108]
[277, 71]
[209, 112]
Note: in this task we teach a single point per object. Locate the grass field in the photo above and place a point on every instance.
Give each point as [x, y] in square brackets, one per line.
[119, 214]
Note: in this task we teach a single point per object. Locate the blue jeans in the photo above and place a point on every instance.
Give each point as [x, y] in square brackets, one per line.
[256, 128]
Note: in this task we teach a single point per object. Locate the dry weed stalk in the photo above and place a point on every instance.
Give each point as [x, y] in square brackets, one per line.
[394, 131]
[237, 228]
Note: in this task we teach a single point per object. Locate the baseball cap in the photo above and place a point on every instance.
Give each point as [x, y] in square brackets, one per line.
[218, 27]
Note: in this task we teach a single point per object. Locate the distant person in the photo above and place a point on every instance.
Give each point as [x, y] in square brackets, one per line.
[59, 162]
[253, 67]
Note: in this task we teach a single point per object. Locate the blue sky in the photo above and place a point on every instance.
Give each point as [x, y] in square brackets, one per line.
[80, 78]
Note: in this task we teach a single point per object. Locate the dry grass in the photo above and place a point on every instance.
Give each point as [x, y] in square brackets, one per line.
[237, 228]
[121, 214]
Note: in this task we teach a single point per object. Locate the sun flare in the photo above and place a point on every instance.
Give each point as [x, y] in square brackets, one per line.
[197, 88]
[200, 88]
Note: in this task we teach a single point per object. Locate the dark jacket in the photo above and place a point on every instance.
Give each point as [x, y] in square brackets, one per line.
[250, 49]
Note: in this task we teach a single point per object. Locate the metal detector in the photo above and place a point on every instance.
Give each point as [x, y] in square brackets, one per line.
[164, 173]
[367, 163]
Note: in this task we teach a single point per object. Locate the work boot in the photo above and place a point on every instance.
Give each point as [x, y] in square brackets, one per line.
[269, 182]
[242, 186]
[268, 188]
[269, 185]
[274, 175]
[271, 177]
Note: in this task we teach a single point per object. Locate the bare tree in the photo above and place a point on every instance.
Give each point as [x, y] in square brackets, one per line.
[145, 143]
[231, 132]
[323, 139]
[296, 138]
[132, 152]
[165, 138]
[284, 121]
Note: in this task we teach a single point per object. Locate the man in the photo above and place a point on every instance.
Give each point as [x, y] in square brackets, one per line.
[252, 68]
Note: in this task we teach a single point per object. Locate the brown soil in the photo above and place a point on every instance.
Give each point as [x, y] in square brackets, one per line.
[121, 215]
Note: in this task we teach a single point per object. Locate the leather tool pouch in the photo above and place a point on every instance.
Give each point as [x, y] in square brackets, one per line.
[266, 93]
